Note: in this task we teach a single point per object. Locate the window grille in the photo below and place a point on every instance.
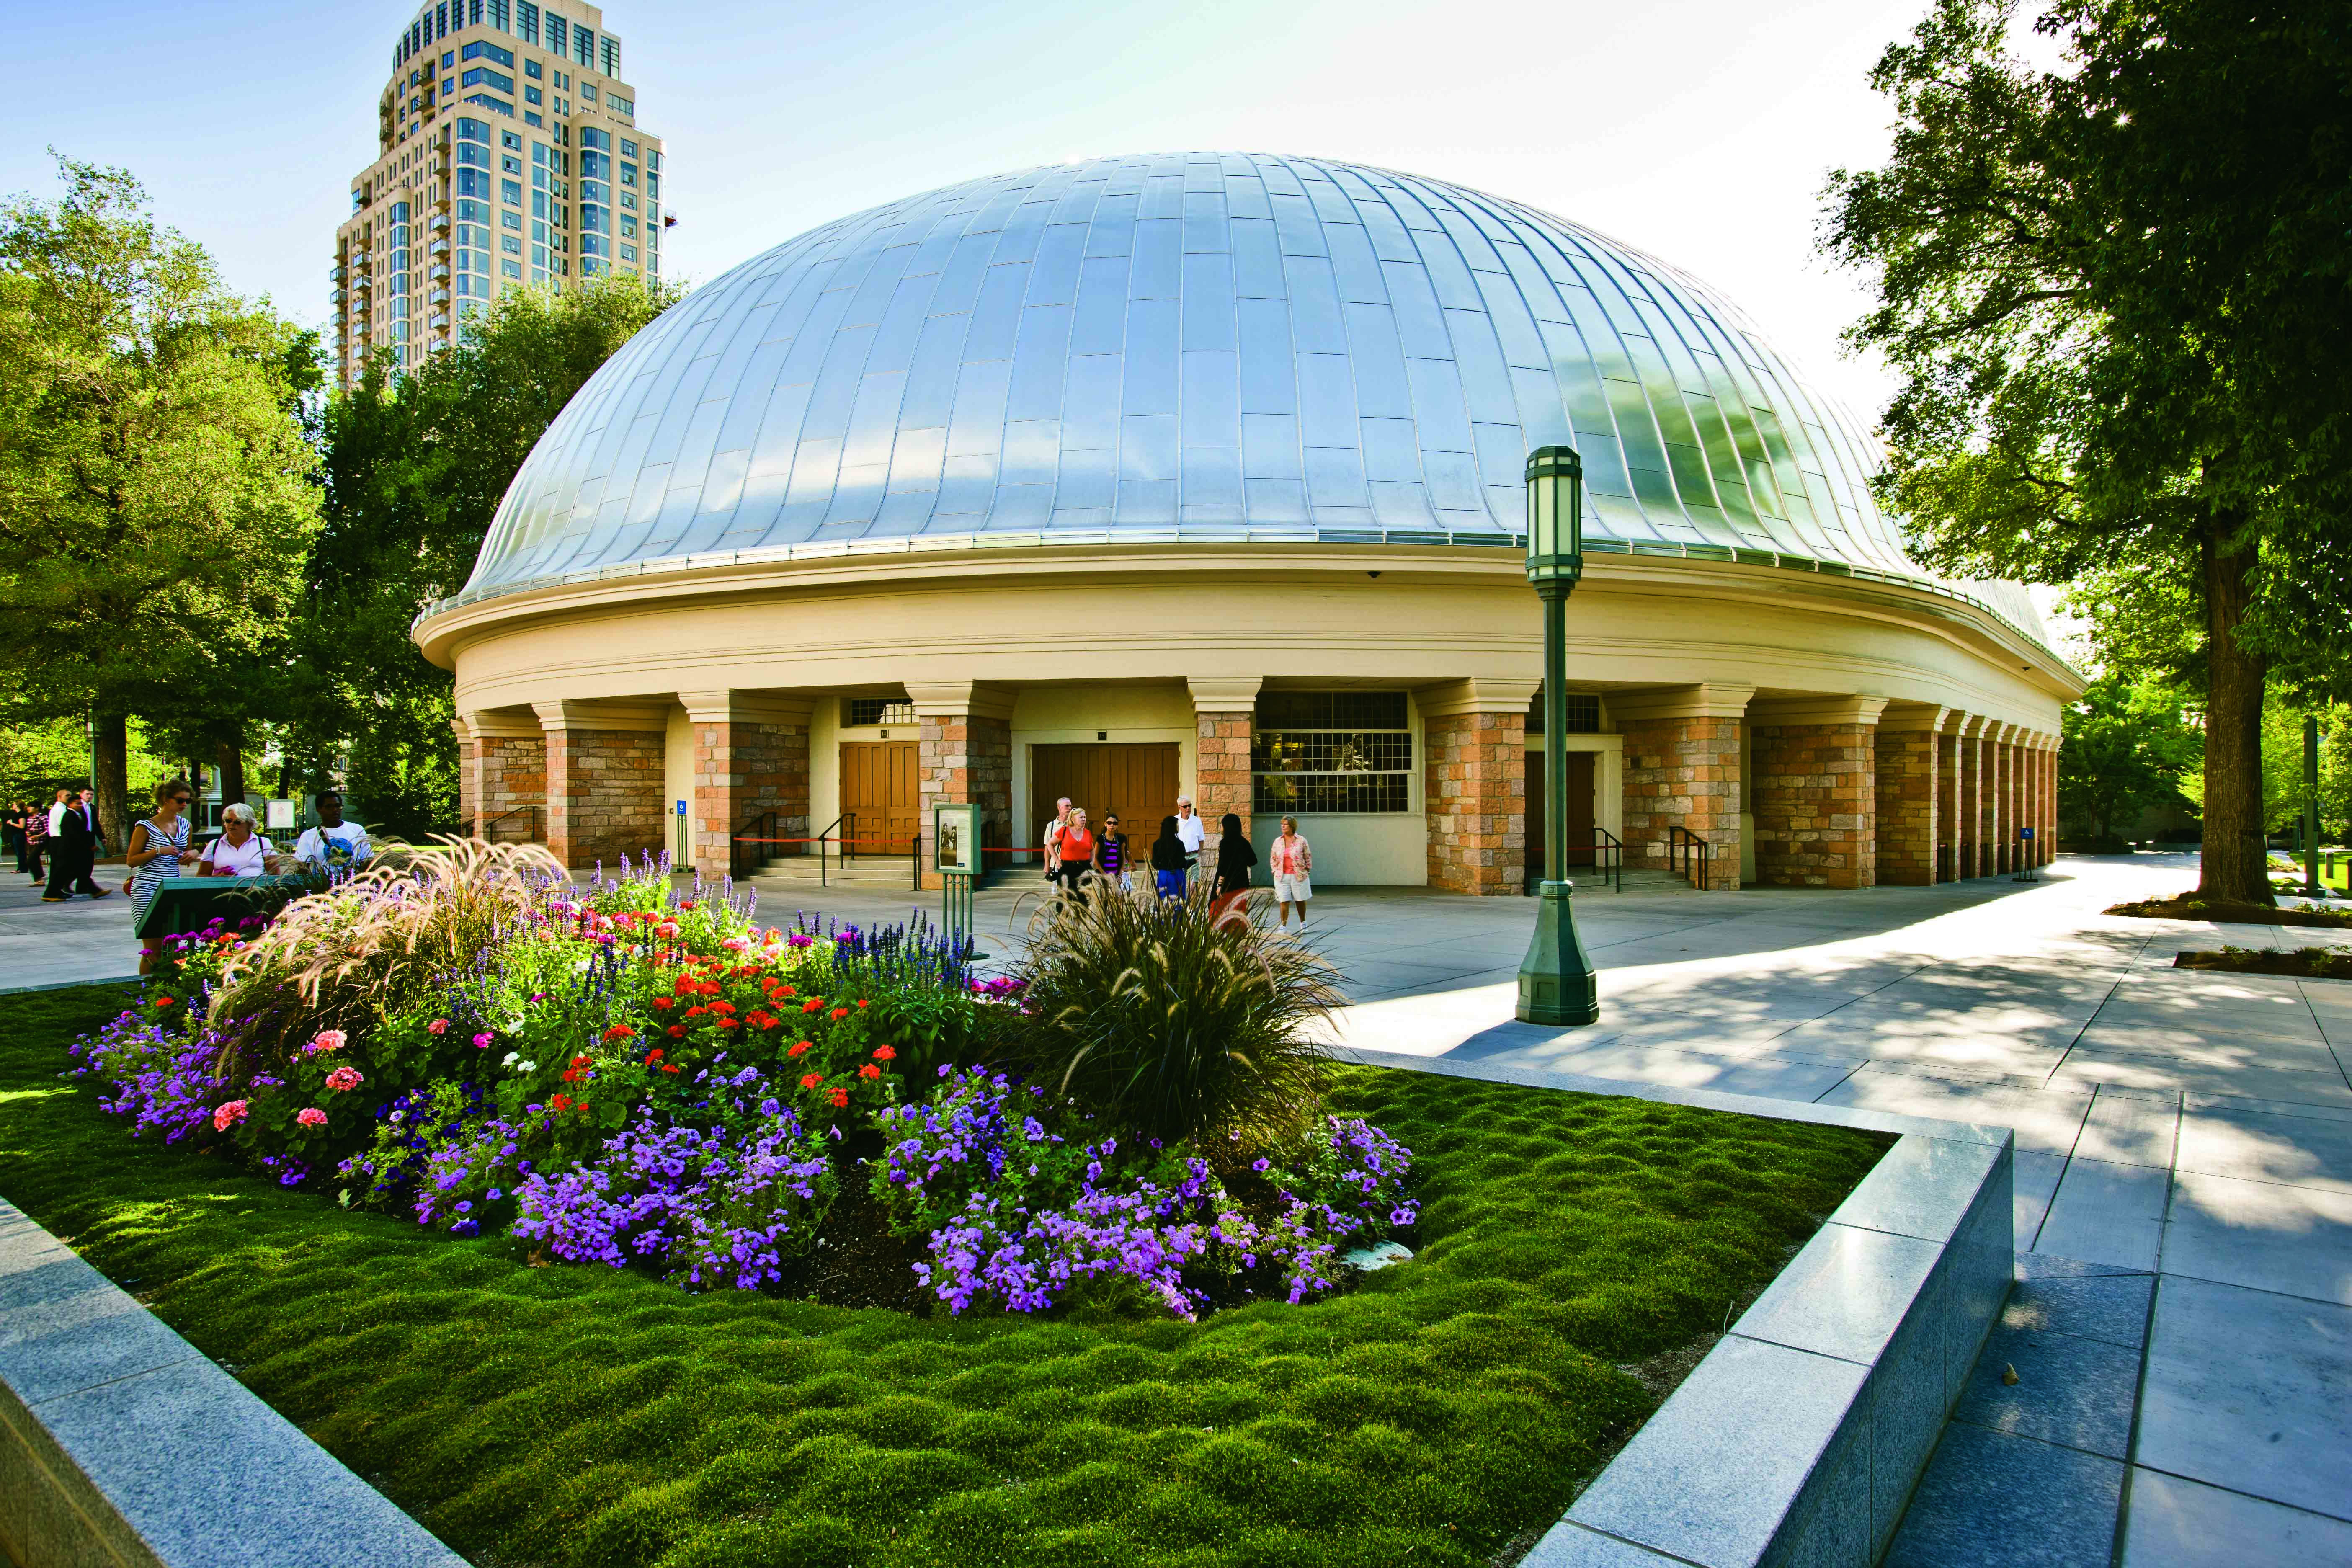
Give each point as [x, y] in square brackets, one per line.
[1584, 714]
[1331, 751]
[864, 711]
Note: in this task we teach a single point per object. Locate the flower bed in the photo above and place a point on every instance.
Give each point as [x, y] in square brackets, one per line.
[623, 1076]
[582, 1416]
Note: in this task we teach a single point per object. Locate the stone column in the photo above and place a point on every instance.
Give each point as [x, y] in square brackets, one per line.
[1814, 793]
[1999, 758]
[1476, 735]
[1682, 770]
[468, 776]
[1224, 716]
[1968, 829]
[965, 755]
[508, 768]
[2050, 802]
[750, 755]
[604, 769]
[1909, 741]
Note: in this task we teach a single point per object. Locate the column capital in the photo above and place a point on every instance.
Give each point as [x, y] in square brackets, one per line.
[1854, 707]
[746, 708]
[1478, 694]
[1707, 701]
[638, 717]
[1223, 693]
[1913, 716]
[503, 723]
[959, 700]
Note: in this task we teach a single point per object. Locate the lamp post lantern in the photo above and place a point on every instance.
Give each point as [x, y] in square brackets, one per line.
[1556, 980]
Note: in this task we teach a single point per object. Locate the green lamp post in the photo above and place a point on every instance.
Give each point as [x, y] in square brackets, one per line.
[1556, 981]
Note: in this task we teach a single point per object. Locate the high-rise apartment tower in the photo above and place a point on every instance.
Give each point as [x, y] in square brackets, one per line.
[508, 153]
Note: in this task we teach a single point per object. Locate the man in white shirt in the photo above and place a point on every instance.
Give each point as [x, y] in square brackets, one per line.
[1050, 835]
[333, 845]
[1190, 829]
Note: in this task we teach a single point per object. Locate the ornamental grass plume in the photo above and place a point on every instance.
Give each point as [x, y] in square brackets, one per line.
[373, 944]
[1168, 1019]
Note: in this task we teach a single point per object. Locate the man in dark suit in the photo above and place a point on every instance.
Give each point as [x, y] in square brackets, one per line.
[77, 851]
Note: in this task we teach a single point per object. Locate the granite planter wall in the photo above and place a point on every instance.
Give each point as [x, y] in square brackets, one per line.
[122, 1446]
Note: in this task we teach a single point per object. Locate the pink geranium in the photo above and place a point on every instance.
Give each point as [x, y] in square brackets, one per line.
[438, 1027]
[328, 1040]
[344, 1078]
[310, 1116]
[229, 1115]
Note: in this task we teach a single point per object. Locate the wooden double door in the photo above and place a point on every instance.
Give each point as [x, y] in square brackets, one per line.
[1135, 782]
[1579, 837]
[878, 783]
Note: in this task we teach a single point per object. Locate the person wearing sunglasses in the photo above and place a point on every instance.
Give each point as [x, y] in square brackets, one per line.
[159, 848]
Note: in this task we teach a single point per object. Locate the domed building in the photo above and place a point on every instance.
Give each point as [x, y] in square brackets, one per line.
[1201, 473]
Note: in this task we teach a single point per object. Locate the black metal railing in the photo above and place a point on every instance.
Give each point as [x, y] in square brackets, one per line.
[1605, 853]
[521, 824]
[1689, 853]
[748, 846]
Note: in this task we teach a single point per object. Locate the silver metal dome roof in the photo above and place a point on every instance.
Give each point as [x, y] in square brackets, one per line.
[1219, 346]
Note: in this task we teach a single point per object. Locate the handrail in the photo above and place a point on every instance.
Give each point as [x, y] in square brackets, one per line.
[1689, 853]
[739, 862]
[1608, 857]
[488, 831]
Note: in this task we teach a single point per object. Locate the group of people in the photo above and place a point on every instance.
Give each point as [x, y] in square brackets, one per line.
[1074, 847]
[68, 835]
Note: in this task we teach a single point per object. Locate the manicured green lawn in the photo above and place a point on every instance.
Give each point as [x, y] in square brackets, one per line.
[578, 1415]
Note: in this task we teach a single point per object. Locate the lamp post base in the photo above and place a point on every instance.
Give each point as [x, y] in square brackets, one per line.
[1556, 981]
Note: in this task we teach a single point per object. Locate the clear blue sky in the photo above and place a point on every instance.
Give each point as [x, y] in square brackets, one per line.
[1698, 130]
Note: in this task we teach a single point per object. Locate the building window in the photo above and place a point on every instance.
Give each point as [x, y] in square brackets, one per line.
[859, 711]
[1331, 751]
[1584, 714]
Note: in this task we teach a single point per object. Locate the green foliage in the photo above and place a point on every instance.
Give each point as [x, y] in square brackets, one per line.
[2128, 747]
[413, 469]
[155, 501]
[1169, 1021]
[2115, 291]
[576, 1416]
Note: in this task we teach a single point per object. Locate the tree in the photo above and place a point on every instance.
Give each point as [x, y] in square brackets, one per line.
[154, 497]
[413, 467]
[2127, 744]
[2070, 266]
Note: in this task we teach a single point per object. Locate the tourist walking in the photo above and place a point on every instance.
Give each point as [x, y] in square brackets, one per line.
[1050, 835]
[1110, 855]
[1291, 861]
[1076, 850]
[1235, 856]
[37, 840]
[1190, 829]
[158, 848]
[73, 849]
[239, 851]
[1169, 860]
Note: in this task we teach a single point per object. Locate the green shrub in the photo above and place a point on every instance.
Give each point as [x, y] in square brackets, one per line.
[1167, 1019]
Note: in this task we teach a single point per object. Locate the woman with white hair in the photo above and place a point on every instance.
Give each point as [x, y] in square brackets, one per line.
[239, 851]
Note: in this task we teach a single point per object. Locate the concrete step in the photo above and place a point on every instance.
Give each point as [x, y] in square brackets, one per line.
[802, 872]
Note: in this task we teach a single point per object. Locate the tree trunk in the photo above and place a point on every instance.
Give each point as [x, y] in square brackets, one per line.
[2236, 865]
[232, 770]
[110, 759]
